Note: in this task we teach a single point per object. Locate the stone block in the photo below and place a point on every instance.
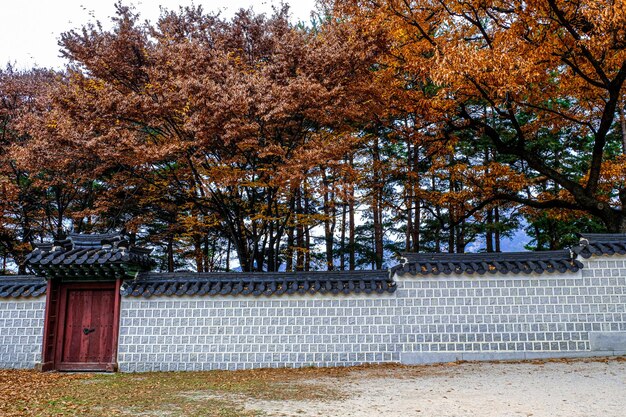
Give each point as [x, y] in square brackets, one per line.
[607, 341]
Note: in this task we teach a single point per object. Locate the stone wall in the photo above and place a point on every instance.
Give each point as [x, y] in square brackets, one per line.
[21, 330]
[428, 319]
[199, 333]
[513, 316]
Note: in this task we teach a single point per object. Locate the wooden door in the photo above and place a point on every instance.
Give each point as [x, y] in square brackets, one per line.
[87, 327]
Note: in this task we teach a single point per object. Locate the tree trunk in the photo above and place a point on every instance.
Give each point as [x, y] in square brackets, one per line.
[416, 225]
[497, 232]
[329, 222]
[238, 237]
[489, 230]
[228, 256]
[27, 238]
[554, 239]
[622, 119]
[211, 263]
[538, 238]
[622, 226]
[271, 261]
[342, 242]
[460, 237]
[197, 251]
[59, 234]
[438, 229]
[351, 237]
[244, 255]
[289, 249]
[489, 219]
[170, 254]
[299, 235]
[377, 206]
[408, 198]
[307, 231]
[616, 223]
[417, 211]
[409, 219]
[277, 253]
[290, 235]
[205, 252]
[452, 231]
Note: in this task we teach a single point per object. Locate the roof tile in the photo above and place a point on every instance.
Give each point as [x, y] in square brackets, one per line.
[87, 254]
[601, 244]
[259, 283]
[482, 263]
[21, 286]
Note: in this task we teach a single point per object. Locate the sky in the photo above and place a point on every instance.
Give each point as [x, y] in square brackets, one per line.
[30, 29]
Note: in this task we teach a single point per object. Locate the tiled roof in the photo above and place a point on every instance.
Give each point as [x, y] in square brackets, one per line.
[88, 255]
[601, 244]
[260, 283]
[482, 263]
[21, 286]
[111, 255]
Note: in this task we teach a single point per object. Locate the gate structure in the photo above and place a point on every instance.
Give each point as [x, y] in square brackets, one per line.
[84, 274]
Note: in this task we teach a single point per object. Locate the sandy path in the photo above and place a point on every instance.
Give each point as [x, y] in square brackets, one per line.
[552, 389]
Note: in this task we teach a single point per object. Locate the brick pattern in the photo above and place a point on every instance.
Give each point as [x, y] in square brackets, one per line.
[489, 315]
[200, 333]
[21, 330]
[515, 314]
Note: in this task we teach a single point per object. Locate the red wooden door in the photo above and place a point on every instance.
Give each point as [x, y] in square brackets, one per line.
[86, 327]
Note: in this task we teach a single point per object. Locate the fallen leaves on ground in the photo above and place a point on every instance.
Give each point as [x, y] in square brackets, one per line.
[32, 393]
[20, 390]
[207, 394]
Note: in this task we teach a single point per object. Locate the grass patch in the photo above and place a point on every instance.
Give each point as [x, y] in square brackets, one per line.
[210, 394]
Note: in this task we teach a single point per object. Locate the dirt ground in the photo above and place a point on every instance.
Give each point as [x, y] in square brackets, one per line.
[570, 388]
[554, 388]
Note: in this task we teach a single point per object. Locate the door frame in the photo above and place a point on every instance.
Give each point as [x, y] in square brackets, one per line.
[54, 326]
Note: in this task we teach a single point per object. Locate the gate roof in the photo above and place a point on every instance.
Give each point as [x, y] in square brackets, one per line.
[97, 256]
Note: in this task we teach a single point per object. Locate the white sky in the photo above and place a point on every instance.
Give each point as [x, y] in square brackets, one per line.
[30, 29]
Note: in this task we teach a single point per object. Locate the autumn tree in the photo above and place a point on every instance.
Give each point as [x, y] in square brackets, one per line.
[236, 119]
[24, 204]
[515, 72]
[385, 126]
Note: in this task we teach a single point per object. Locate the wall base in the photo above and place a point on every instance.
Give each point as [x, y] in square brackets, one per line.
[607, 341]
[422, 358]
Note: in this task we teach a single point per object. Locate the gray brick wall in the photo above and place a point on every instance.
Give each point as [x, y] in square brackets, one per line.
[199, 333]
[428, 319]
[510, 316]
[21, 330]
